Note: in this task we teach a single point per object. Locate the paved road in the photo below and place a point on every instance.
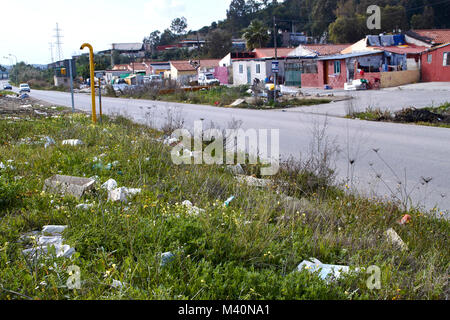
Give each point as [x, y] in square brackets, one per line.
[410, 151]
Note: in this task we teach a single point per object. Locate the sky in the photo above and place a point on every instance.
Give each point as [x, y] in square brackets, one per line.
[27, 27]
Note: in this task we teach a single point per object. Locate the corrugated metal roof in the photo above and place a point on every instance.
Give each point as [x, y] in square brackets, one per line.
[436, 35]
[270, 52]
[349, 55]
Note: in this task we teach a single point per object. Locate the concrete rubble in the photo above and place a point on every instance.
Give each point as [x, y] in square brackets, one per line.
[192, 210]
[122, 194]
[252, 181]
[109, 185]
[75, 186]
[72, 142]
[393, 238]
[236, 170]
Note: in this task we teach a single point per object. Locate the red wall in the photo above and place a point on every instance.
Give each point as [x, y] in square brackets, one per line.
[317, 79]
[435, 71]
[221, 74]
[370, 76]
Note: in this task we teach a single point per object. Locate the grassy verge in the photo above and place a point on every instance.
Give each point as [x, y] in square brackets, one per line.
[430, 116]
[220, 96]
[248, 250]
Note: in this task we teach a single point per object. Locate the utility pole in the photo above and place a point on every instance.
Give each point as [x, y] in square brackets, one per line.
[276, 57]
[71, 83]
[15, 69]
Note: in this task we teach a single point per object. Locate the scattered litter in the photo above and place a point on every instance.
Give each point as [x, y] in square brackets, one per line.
[24, 96]
[45, 242]
[48, 142]
[109, 185]
[236, 170]
[26, 106]
[395, 239]
[117, 284]
[170, 141]
[122, 194]
[191, 208]
[75, 186]
[227, 203]
[84, 206]
[72, 142]
[326, 270]
[3, 167]
[406, 219]
[252, 181]
[166, 258]
[39, 113]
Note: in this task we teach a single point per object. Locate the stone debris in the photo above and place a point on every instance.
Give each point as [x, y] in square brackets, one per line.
[53, 229]
[393, 238]
[122, 194]
[8, 166]
[252, 181]
[48, 142]
[75, 186]
[171, 141]
[84, 206]
[166, 257]
[325, 270]
[236, 170]
[72, 142]
[238, 102]
[109, 185]
[192, 210]
[39, 113]
[117, 284]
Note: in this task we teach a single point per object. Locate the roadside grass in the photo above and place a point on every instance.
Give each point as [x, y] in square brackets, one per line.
[219, 96]
[6, 93]
[246, 251]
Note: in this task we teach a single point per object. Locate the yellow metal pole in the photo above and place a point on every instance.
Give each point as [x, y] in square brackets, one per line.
[92, 80]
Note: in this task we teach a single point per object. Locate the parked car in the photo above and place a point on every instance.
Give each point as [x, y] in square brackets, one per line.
[7, 87]
[153, 79]
[24, 87]
[207, 79]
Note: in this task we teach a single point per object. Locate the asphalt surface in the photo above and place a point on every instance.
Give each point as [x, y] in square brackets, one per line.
[386, 156]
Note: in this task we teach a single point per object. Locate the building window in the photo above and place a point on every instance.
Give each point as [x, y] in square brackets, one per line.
[241, 68]
[430, 58]
[337, 67]
[446, 59]
[258, 68]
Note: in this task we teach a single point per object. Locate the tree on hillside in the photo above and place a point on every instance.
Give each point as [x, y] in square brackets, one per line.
[2, 68]
[153, 39]
[347, 29]
[179, 26]
[167, 37]
[256, 35]
[219, 43]
[237, 15]
[424, 20]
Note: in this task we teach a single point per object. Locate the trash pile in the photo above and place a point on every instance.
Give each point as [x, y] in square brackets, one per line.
[43, 241]
[420, 115]
[116, 194]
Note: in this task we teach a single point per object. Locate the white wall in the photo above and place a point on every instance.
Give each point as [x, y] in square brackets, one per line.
[241, 78]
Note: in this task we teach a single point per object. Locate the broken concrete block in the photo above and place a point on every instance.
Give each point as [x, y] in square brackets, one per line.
[50, 240]
[48, 142]
[122, 194]
[237, 102]
[109, 185]
[395, 239]
[54, 230]
[192, 210]
[75, 186]
[252, 181]
[72, 142]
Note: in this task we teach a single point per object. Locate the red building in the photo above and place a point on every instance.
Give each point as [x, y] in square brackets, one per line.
[436, 64]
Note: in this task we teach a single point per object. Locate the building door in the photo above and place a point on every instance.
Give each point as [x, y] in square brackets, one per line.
[325, 72]
[293, 75]
[249, 75]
